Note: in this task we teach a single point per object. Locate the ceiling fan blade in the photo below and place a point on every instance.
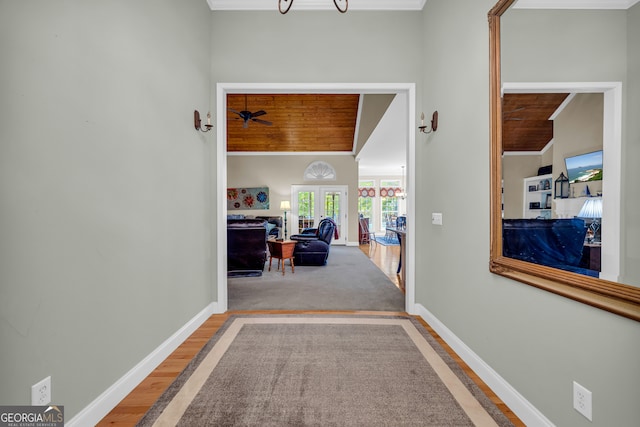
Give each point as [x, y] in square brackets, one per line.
[234, 111]
[264, 122]
[258, 113]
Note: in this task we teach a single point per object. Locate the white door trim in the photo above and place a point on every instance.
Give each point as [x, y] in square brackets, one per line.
[220, 223]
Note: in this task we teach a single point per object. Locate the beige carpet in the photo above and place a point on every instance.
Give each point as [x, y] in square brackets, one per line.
[323, 371]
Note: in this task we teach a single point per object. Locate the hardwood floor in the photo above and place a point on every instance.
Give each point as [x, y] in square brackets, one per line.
[135, 405]
[386, 258]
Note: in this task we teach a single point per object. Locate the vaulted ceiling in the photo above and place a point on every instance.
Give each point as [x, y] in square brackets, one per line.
[299, 122]
[526, 120]
[328, 122]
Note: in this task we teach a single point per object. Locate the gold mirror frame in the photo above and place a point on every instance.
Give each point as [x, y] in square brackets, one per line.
[617, 298]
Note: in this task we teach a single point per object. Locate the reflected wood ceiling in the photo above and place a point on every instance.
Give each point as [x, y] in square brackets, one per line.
[300, 122]
[525, 120]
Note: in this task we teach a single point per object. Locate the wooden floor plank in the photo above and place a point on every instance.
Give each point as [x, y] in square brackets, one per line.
[133, 407]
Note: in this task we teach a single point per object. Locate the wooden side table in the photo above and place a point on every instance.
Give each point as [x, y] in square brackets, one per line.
[591, 254]
[281, 250]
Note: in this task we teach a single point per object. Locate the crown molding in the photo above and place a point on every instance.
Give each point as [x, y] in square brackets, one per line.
[574, 4]
[246, 5]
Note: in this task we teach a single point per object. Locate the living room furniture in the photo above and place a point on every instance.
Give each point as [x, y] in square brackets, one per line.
[591, 256]
[364, 235]
[274, 225]
[312, 245]
[246, 247]
[556, 243]
[285, 206]
[281, 250]
[390, 235]
[401, 234]
[537, 197]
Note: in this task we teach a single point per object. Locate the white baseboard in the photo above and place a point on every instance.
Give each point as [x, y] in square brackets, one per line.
[109, 399]
[528, 413]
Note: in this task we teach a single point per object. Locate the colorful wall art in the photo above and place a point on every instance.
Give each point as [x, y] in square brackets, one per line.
[247, 198]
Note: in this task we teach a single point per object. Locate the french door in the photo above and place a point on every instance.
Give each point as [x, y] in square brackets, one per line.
[311, 203]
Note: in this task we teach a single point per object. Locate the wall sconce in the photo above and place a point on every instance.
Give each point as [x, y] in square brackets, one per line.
[434, 123]
[197, 122]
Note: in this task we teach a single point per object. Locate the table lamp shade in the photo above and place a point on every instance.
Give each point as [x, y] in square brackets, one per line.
[592, 208]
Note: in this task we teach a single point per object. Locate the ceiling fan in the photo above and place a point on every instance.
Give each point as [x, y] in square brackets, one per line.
[247, 115]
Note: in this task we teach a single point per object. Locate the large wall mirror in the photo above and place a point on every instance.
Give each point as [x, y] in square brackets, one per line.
[562, 84]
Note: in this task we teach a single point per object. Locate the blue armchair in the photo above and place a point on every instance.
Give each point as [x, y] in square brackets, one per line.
[312, 246]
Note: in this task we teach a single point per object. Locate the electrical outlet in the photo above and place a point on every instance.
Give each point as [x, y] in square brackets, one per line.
[41, 392]
[582, 400]
[436, 218]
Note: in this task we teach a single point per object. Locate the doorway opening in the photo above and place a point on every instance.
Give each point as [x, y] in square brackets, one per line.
[223, 89]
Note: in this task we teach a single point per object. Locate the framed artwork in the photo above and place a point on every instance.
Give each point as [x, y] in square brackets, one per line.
[249, 198]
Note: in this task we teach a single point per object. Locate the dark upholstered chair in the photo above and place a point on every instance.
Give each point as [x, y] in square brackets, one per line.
[246, 247]
[312, 246]
[274, 224]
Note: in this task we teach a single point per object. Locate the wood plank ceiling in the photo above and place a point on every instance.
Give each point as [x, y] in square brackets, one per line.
[300, 122]
[525, 120]
[327, 122]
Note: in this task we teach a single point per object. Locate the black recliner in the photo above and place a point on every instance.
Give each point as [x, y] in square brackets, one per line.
[246, 247]
[312, 246]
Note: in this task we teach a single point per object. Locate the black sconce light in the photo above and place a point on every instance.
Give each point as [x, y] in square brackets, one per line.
[197, 122]
[561, 187]
[434, 123]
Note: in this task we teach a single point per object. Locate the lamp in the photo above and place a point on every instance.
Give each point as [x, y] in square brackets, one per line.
[197, 122]
[434, 123]
[592, 209]
[402, 194]
[285, 206]
[288, 4]
[561, 187]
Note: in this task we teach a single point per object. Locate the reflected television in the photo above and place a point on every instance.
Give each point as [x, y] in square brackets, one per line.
[584, 167]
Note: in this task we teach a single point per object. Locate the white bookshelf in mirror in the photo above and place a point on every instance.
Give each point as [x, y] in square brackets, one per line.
[538, 193]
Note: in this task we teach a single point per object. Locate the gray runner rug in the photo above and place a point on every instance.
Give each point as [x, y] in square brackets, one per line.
[321, 370]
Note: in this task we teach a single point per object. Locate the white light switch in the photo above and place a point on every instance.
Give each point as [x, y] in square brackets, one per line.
[436, 218]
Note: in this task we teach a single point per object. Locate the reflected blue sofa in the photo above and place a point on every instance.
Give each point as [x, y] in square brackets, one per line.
[556, 243]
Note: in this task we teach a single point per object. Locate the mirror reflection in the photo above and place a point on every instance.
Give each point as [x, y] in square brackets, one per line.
[559, 134]
[564, 211]
[551, 169]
